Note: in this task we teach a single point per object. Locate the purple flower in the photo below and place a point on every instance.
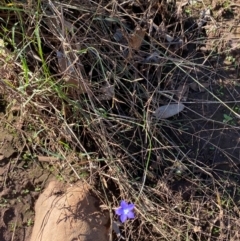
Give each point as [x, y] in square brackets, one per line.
[125, 211]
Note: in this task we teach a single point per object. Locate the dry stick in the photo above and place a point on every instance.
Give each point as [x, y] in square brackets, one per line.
[14, 229]
[234, 5]
[47, 159]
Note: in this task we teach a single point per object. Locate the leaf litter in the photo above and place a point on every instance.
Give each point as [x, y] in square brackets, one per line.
[168, 111]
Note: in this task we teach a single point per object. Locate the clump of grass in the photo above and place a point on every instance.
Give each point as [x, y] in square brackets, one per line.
[86, 98]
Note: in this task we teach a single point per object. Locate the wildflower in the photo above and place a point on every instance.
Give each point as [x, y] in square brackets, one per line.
[125, 211]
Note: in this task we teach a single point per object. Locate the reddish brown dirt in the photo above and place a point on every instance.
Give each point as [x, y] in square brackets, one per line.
[21, 183]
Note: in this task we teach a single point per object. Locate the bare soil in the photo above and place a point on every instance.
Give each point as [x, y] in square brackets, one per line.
[22, 181]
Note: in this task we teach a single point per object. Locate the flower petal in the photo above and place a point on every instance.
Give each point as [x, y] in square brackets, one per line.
[119, 211]
[123, 204]
[123, 218]
[130, 207]
[131, 215]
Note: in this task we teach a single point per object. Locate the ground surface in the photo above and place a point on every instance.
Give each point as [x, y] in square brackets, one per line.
[22, 179]
[206, 131]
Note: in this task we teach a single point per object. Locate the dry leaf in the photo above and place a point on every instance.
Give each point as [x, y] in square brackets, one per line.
[64, 63]
[201, 89]
[69, 27]
[169, 38]
[107, 92]
[135, 40]
[70, 77]
[168, 111]
[194, 86]
[118, 35]
[116, 229]
[197, 229]
[182, 91]
[153, 58]
[4, 52]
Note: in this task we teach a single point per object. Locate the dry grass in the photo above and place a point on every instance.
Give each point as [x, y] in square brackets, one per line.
[83, 84]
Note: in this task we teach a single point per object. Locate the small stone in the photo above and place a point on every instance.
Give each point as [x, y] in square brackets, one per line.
[71, 213]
